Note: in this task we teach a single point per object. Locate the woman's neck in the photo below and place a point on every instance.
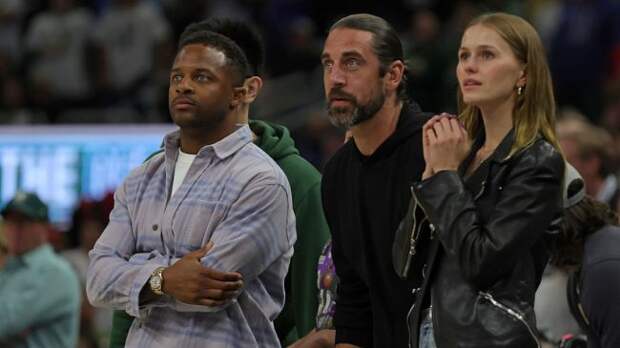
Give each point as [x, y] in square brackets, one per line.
[497, 122]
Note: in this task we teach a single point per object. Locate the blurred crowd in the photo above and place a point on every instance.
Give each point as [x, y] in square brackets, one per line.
[70, 61]
[27, 216]
[64, 61]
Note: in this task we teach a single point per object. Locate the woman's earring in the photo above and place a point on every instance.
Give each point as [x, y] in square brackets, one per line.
[520, 90]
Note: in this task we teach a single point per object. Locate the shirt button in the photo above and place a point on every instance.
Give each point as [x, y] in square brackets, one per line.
[155, 227]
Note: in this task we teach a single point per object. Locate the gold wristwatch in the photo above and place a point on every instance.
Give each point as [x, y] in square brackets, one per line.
[157, 281]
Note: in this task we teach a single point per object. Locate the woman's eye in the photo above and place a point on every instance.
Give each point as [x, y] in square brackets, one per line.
[487, 55]
[463, 55]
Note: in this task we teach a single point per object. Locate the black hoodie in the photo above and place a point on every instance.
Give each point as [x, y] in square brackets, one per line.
[365, 198]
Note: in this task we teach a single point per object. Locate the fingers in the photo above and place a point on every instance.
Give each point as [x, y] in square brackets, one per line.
[438, 123]
[200, 253]
[210, 303]
[441, 130]
[221, 276]
[430, 123]
[449, 129]
[219, 295]
[458, 128]
[431, 136]
[207, 247]
[222, 285]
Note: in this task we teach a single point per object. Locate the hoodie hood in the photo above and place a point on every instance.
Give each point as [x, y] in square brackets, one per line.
[410, 120]
[274, 139]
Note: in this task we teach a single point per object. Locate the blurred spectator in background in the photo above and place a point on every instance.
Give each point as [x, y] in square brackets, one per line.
[588, 247]
[589, 149]
[14, 108]
[134, 51]
[580, 53]
[424, 59]
[318, 139]
[55, 48]
[182, 13]
[89, 220]
[11, 15]
[39, 292]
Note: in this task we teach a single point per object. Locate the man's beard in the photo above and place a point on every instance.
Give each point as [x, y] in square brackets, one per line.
[347, 117]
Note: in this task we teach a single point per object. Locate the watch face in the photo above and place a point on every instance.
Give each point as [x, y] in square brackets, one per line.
[156, 282]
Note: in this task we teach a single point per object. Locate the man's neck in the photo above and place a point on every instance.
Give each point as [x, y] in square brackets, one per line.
[370, 134]
[194, 139]
[243, 115]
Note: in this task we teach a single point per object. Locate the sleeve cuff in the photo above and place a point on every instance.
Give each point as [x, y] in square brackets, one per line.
[134, 309]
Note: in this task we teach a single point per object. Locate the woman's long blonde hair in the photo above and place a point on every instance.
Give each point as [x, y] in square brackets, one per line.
[534, 109]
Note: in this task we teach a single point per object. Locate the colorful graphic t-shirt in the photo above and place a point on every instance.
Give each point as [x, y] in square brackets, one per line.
[327, 284]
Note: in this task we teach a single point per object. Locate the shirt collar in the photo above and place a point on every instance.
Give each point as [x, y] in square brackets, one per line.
[222, 149]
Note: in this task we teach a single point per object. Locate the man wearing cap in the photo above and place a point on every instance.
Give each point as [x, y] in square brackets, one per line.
[588, 246]
[39, 293]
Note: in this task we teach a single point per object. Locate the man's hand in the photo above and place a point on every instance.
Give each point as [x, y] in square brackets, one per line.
[316, 339]
[190, 282]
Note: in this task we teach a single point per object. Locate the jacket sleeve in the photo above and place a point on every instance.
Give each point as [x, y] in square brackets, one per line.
[115, 275]
[528, 202]
[601, 286]
[353, 318]
[258, 233]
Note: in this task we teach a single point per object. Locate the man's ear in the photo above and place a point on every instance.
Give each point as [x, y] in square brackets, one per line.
[394, 74]
[253, 85]
[238, 97]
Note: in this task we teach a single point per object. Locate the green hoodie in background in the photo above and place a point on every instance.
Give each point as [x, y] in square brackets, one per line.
[298, 315]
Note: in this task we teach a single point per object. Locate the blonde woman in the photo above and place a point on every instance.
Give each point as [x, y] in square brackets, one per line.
[490, 190]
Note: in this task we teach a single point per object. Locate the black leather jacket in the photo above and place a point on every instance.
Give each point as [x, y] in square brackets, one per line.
[488, 246]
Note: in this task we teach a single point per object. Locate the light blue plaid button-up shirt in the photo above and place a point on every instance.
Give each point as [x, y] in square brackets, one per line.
[234, 195]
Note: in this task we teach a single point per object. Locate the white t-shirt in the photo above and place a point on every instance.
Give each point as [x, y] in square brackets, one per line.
[184, 161]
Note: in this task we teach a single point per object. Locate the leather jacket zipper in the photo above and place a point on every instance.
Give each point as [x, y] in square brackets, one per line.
[413, 236]
[414, 293]
[511, 312]
[482, 188]
[415, 232]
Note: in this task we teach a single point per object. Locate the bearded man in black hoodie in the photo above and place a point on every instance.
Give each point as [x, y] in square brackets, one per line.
[366, 184]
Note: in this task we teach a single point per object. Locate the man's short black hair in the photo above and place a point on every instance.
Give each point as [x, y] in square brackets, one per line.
[243, 34]
[235, 58]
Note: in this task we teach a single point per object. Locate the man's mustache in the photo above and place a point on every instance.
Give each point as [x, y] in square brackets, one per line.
[340, 94]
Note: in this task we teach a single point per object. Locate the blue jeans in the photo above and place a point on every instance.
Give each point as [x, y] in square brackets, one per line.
[426, 339]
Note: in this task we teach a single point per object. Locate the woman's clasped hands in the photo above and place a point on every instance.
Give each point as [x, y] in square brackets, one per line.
[446, 144]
